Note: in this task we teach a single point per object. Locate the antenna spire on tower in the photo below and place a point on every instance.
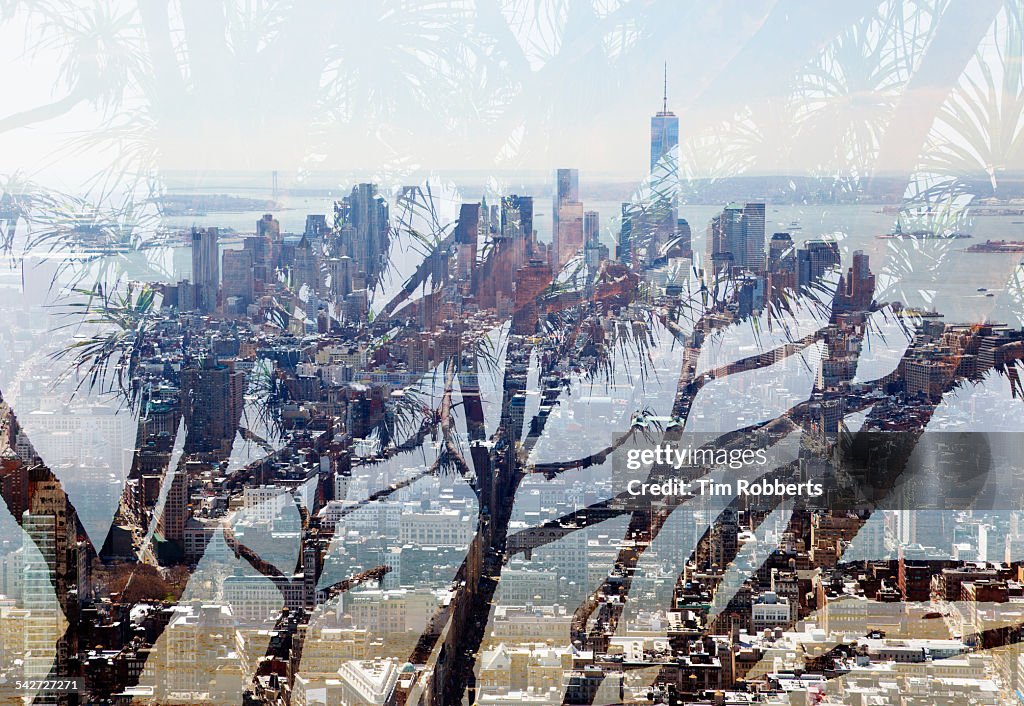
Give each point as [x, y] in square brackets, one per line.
[664, 94]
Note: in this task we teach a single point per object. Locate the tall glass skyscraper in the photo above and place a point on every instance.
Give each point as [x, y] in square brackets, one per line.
[567, 185]
[664, 129]
[205, 268]
[736, 237]
[567, 220]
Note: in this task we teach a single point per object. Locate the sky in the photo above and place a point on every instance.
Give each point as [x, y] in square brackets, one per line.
[485, 86]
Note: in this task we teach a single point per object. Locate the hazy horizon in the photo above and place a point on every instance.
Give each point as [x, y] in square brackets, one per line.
[760, 88]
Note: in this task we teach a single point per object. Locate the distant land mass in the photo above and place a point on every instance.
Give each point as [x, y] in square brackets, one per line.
[201, 204]
[778, 189]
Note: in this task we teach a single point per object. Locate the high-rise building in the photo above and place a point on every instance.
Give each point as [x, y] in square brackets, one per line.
[624, 247]
[268, 227]
[781, 275]
[466, 233]
[306, 266]
[724, 539]
[858, 286]
[567, 185]
[724, 235]
[749, 293]
[753, 237]
[648, 227]
[316, 225]
[238, 280]
[50, 570]
[261, 250]
[531, 280]
[186, 299]
[268, 232]
[736, 238]
[591, 228]
[516, 217]
[175, 511]
[567, 217]
[781, 255]
[683, 243]
[42, 629]
[363, 230]
[205, 268]
[515, 245]
[594, 252]
[212, 397]
[13, 482]
[517, 228]
[815, 259]
[664, 129]
[339, 270]
[569, 238]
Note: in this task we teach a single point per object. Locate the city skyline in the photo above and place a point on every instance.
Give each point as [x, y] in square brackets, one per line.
[456, 354]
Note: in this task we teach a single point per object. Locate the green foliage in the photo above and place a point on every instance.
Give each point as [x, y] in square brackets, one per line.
[111, 327]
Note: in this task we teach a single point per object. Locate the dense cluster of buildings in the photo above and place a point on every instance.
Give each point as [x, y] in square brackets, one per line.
[324, 505]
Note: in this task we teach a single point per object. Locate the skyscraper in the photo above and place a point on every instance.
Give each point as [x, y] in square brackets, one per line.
[648, 226]
[316, 225]
[858, 286]
[42, 629]
[725, 237]
[260, 249]
[569, 237]
[205, 268]
[781, 266]
[515, 245]
[591, 228]
[363, 228]
[306, 267]
[238, 275]
[171, 522]
[753, 237]
[531, 280]
[683, 242]
[13, 481]
[517, 218]
[50, 571]
[624, 248]
[781, 255]
[718, 256]
[736, 238]
[567, 215]
[664, 129]
[567, 185]
[594, 251]
[267, 251]
[212, 397]
[815, 259]
[339, 269]
[268, 226]
[466, 233]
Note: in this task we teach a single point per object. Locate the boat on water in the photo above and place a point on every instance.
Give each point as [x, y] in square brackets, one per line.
[998, 246]
[915, 313]
[897, 233]
[922, 235]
